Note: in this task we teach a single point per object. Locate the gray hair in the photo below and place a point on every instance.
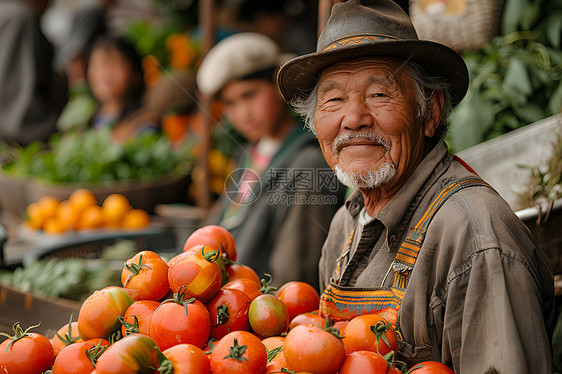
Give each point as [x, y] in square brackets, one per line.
[425, 87]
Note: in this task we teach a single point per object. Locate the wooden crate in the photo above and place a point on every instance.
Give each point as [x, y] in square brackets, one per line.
[30, 309]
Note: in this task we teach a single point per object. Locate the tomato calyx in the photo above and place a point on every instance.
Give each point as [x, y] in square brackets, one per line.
[211, 256]
[331, 329]
[211, 344]
[222, 315]
[93, 353]
[283, 370]
[130, 328]
[68, 339]
[19, 333]
[134, 269]
[236, 352]
[380, 329]
[166, 366]
[266, 285]
[115, 336]
[273, 353]
[179, 298]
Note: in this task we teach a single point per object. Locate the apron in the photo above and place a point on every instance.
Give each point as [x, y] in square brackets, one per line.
[345, 303]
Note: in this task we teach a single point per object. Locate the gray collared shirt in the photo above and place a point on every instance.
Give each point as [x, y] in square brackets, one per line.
[480, 297]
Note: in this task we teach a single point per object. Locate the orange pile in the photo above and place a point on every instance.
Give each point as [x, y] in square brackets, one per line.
[82, 212]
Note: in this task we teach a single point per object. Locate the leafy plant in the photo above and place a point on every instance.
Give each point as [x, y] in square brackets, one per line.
[545, 181]
[92, 157]
[516, 79]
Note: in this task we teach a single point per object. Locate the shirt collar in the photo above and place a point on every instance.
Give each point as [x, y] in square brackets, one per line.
[391, 216]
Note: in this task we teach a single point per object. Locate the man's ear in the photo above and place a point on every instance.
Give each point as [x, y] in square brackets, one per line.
[435, 111]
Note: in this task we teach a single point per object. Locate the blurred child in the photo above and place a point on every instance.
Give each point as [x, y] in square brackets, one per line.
[115, 77]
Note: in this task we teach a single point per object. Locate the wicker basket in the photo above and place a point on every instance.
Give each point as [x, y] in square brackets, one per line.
[459, 24]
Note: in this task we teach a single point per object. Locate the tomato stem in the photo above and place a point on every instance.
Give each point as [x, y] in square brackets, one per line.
[130, 328]
[211, 256]
[134, 269]
[265, 285]
[19, 333]
[330, 328]
[274, 352]
[94, 353]
[68, 339]
[211, 344]
[236, 351]
[222, 314]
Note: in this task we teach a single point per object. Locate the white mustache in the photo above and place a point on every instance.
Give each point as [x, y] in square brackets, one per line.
[346, 138]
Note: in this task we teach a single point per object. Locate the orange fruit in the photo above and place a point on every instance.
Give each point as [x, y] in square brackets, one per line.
[35, 218]
[136, 219]
[53, 226]
[114, 208]
[91, 218]
[80, 199]
[66, 215]
[48, 206]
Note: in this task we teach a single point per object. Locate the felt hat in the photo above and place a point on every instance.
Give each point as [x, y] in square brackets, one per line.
[378, 28]
[235, 57]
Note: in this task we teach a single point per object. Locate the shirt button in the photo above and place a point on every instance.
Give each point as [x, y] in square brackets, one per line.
[392, 238]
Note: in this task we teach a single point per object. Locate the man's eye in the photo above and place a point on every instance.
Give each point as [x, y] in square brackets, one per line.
[378, 94]
[333, 99]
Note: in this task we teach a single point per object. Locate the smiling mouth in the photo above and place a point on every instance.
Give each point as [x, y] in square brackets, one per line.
[359, 140]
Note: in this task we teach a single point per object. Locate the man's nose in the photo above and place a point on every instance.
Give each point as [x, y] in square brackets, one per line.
[357, 115]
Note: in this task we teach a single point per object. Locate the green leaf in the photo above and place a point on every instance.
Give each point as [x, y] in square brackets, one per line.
[516, 78]
[513, 10]
[470, 121]
[553, 28]
[555, 102]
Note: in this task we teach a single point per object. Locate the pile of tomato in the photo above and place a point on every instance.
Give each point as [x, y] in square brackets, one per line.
[200, 312]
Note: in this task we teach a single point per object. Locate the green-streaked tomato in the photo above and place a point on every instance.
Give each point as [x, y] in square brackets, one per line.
[100, 312]
[268, 316]
[135, 353]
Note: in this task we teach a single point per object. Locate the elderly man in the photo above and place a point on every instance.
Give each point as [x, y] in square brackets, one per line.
[423, 241]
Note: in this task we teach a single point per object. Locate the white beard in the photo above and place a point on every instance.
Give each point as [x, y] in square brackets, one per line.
[369, 180]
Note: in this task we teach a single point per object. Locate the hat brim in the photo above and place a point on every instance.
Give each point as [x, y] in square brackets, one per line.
[298, 76]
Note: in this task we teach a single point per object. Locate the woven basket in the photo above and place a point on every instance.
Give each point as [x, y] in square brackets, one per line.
[459, 24]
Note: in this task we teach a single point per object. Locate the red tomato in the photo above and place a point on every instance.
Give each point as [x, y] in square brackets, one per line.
[307, 319]
[135, 353]
[66, 335]
[276, 365]
[228, 311]
[75, 358]
[142, 310]
[214, 236]
[268, 316]
[99, 313]
[188, 359]
[299, 297]
[237, 271]
[361, 335]
[431, 367]
[198, 274]
[310, 348]
[248, 286]
[180, 321]
[25, 352]
[364, 362]
[146, 273]
[239, 352]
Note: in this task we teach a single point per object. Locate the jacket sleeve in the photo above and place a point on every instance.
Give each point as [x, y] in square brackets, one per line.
[499, 327]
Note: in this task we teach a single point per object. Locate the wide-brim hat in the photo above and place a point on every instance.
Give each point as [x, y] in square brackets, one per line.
[363, 28]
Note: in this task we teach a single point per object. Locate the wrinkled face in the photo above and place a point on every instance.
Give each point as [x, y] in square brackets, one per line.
[253, 106]
[110, 75]
[366, 122]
